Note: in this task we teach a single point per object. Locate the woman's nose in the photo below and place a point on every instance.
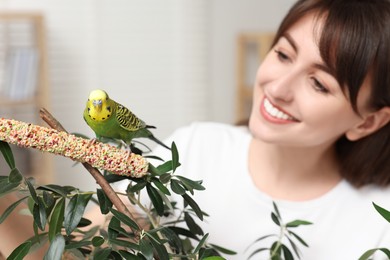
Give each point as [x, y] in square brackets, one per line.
[282, 88]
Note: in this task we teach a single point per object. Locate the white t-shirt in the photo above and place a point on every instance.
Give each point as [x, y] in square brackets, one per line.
[345, 223]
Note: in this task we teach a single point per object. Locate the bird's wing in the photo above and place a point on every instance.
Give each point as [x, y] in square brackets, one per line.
[127, 119]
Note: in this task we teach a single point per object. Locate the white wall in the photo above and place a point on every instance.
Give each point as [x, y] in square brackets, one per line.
[229, 18]
[171, 62]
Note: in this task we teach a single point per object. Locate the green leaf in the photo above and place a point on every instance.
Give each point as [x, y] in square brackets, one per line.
[297, 223]
[84, 222]
[146, 249]
[214, 258]
[276, 251]
[115, 256]
[257, 251]
[102, 254]
[105, 203]
[275, 219]
[191, 224]
[223, 250]
[56, 248]
[78, 244]
[56, 189]
[7, 187]
[161, 186]
[74, 211]
[155, 171]
[5, 149]
[156, 199]
[386, 251]
[172, 238]
[287, 253]
[113, 228]
[166, 200]
[183, 232]
[124, 243]
[193, 205]
[125, 219]
[190, 184]
[39, 214]
[263, 237]
[10, 209]
[201, 243]
[165, 178]
[111, 178]
[98, 241]
[298, 238]
[177, 187]
[165, 167]
[384, 213]
[129, 256]
[20, 252]
[57, 219]
[32, 191]
[294, 246]
[159, 247]
[175, 157]
[276, 210]
[15, 176]
[48, 199]
[137, 187]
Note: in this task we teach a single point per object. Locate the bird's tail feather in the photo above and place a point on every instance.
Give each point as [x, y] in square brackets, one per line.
[159, 142]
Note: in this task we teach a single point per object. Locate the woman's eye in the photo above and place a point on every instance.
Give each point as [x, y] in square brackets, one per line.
[319, 87]
[282, 56]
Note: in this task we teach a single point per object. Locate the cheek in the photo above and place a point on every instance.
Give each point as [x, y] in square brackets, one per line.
[330, 115]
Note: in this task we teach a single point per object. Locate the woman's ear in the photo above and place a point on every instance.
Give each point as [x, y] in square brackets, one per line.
[371, 123]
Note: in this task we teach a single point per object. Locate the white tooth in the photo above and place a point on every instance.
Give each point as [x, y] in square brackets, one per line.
[273, 111]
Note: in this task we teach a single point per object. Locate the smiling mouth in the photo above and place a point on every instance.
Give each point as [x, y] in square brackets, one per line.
[276, 112]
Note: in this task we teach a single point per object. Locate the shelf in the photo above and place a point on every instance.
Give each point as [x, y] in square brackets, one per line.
[251, 50]
[24, 84]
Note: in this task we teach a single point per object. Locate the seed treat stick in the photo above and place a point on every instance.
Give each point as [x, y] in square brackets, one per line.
[97, 154]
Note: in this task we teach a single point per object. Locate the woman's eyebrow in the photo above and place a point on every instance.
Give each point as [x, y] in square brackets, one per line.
[294, 45]
[291, 41]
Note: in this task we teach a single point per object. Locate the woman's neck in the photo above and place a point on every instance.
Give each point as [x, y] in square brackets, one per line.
[293, 173]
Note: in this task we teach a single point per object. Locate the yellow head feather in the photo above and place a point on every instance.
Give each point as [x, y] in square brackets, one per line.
[99, 105]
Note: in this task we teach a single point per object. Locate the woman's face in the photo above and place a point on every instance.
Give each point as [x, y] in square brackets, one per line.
[297, 102]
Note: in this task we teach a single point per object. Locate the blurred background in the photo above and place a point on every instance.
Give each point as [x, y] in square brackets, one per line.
[171, 62]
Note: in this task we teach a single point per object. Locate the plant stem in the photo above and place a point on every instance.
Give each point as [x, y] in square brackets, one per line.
[101, 181]
[279, 242]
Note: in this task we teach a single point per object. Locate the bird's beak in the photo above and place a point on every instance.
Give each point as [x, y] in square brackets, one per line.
[97, 104]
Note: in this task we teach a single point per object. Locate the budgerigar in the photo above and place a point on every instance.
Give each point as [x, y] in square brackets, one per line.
[110, 119]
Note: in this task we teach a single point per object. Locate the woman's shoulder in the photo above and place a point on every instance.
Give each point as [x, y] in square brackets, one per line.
[210, 138]
[377, 195]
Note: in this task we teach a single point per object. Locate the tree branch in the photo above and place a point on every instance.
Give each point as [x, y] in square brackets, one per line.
[101, 181]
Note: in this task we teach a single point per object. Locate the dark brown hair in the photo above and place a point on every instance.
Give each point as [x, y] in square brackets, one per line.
[355, 42]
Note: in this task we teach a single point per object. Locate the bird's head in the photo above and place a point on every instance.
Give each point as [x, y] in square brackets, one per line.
[97, 98]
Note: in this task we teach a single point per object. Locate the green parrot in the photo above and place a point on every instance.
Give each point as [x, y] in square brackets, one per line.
[110, 119]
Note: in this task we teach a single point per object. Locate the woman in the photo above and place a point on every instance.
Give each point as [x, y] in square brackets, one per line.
[318, 142]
